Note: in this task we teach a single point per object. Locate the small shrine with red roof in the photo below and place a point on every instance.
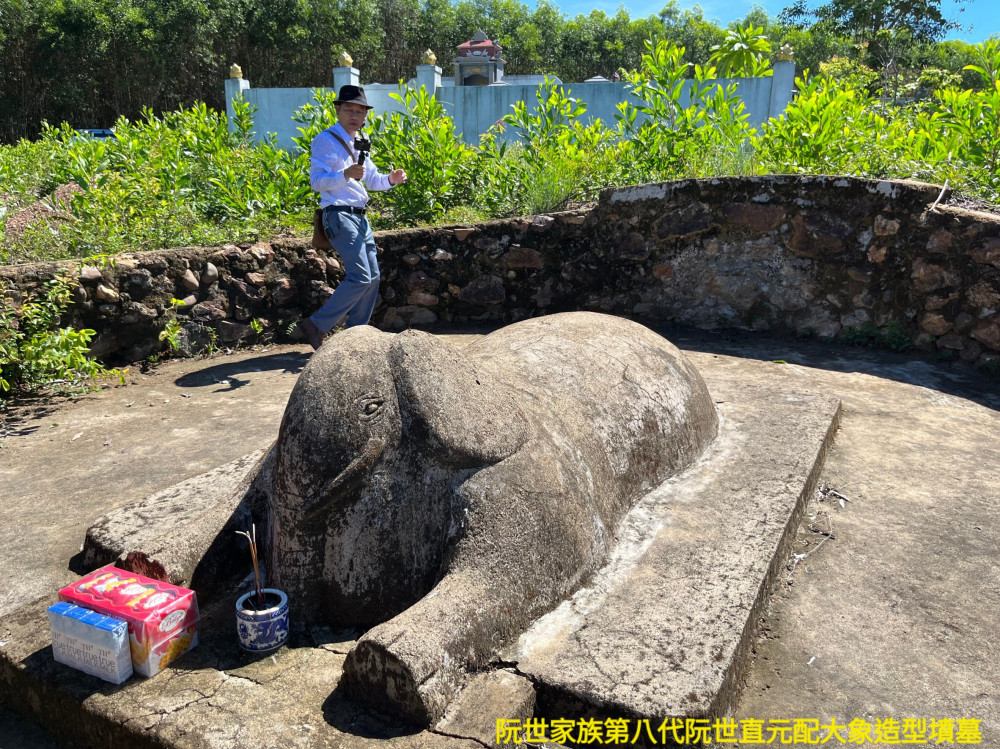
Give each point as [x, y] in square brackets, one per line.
[478, 62]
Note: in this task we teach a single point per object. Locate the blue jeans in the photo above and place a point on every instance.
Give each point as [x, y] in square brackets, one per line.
[352, 238]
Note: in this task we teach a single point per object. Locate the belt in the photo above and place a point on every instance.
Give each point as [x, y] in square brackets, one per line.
[347, 209]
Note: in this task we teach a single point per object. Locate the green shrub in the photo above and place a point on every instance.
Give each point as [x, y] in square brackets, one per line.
[37, 352]
[891, 337]
[422, 140]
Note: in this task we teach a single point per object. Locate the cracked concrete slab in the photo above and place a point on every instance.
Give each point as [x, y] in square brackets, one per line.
[213, 697]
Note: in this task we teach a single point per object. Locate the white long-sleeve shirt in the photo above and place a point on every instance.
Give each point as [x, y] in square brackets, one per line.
[328, 160]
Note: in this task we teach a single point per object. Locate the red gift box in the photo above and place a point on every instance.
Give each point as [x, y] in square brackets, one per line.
[162, 618]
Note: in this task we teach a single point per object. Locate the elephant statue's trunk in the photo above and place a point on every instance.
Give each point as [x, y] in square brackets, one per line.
[347, 480]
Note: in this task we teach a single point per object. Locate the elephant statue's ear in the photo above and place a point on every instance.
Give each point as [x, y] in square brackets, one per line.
[464, 416]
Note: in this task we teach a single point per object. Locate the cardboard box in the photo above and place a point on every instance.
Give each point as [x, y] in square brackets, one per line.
[162, 618]
[91, 642]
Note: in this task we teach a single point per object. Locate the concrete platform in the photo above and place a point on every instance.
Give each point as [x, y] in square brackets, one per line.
[891, 614]
[690, 576]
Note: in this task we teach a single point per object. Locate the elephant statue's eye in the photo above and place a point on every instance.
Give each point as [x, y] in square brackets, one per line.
[371, 408]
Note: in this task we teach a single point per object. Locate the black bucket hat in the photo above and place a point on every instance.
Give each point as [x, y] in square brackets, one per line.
[352, 95]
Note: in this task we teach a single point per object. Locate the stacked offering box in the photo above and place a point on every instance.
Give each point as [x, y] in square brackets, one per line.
[162, 618]
[91, 642]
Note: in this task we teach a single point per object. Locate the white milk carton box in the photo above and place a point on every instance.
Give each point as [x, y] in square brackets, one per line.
[91, 642]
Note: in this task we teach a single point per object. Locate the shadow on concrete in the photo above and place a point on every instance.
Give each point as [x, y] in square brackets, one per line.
[227, 374]
[77, 567]
[17, 733]
[912, 367]
[351, 718]
[30, 408]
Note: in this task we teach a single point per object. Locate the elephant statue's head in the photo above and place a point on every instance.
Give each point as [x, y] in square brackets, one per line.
[375, 435]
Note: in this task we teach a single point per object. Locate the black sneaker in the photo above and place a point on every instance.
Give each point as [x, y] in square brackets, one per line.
[313, 334]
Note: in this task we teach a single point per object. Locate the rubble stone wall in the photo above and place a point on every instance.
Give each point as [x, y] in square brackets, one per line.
[800, 255]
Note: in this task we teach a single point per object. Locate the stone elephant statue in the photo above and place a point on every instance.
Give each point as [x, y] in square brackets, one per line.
[446, 498]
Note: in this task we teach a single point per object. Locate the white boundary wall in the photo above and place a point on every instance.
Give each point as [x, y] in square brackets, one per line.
[475, 109]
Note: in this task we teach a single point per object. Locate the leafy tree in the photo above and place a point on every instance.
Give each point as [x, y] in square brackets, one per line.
[745, 52]
[864, 20]
[689, 30]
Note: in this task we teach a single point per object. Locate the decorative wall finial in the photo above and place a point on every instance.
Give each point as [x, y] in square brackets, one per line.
[235, 71]
[786, 53]
[429, 57]
[346, 61]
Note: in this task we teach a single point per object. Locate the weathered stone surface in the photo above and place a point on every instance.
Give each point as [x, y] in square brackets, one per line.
[929, 277]
[632, 246]
[332, 266]
[422, 298]
[963, 323]
[859, 275]
[207, 312]
[989, 253]
[420, 281]
[489, 697]
[422, 317]
[256, 279]
[212, 697]
[877, 253]
[262, 252]
[209, 275]
[982, 296]
[521, 257]
[316, 266]
[702, 229]
[662, 271]
[541, 223]
[816, 235]
[754, 216]
[189, 528]
[485, 290]
[230, 331]
[283, 291]
[189, 280]
[987, 332]
[135, 312]
[688, 220]
[90, 273]
[107, 294]
[246, 291]
[935, 324]
[524, 467]
[971, 351]
[462, 234]
[939, 241]
[934, 302]
[885, 227]
[138, 283]
[950, 341]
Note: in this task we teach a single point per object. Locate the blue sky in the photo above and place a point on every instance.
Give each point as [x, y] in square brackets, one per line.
[982, 15]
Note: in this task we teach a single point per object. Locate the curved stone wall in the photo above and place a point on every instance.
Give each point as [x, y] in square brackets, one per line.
[800, 255]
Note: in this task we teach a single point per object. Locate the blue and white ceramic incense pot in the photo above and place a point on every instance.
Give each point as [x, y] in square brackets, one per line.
[265, 629]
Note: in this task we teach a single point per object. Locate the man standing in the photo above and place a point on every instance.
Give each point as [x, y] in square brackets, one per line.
[339, 173]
